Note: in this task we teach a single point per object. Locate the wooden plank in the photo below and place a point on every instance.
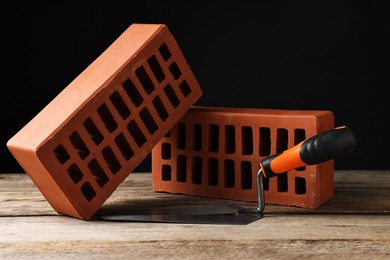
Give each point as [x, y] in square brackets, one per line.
[325, 236]
[274, 227]
[363, 192]
[214, 249]
[353, 225]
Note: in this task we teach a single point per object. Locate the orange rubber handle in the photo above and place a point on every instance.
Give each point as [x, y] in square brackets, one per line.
[322, 147]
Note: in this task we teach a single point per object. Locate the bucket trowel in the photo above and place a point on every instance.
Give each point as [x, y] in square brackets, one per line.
[320, 148]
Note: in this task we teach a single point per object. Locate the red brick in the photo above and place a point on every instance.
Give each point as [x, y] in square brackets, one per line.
[215, 152]
[89, 138]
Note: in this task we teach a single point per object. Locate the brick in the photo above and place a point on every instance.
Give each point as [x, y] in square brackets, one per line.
[215, 152]
[92, 135]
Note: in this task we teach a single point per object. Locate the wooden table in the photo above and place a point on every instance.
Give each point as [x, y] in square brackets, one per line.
[355, 224]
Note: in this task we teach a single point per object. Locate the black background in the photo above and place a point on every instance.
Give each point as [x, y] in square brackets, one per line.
[321, 55]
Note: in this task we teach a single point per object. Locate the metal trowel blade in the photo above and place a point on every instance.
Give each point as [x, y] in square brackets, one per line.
[240, 216]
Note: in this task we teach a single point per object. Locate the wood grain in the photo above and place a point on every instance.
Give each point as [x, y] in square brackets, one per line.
[355, 224]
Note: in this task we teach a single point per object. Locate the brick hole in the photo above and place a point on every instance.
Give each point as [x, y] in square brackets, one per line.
[181, 136]
[145, 80]
[229, 173]
[124, 146]
[132, 92]
[175, 71]
[197, 170]
[168, 134]
[197, 137]
[246, 175]
[300, 185]
[120, 105]
[148, 120]
[160, 108]
[166, 172]
[75, 173]
[79, 145]
[185, 88]
[213, 171]
[107, 118]
[164, 51]
[230, 139]
[213, 138]
[181, 174]
[61, 154]
[156, 68]
[282, 182]
[88, 192]
[247, 140]
[93, 131]
[264, 141]
[281, 140]
[111, 161]
[171, 95]
[166, 151]
[299, 136]
[266, 183]
[97, 172]
[136, 133]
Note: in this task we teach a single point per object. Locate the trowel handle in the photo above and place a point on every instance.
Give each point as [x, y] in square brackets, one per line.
[314, 150]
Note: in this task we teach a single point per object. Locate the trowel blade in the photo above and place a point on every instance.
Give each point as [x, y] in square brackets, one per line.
[240, 216]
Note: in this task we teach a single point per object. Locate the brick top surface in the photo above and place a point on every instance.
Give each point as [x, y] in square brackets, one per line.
[262, 111]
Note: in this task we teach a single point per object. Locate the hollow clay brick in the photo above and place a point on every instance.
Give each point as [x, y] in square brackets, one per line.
[215, 152]
[90, 137]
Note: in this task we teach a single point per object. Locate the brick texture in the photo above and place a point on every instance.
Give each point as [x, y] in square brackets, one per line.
[215, 152]
[89, 138]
